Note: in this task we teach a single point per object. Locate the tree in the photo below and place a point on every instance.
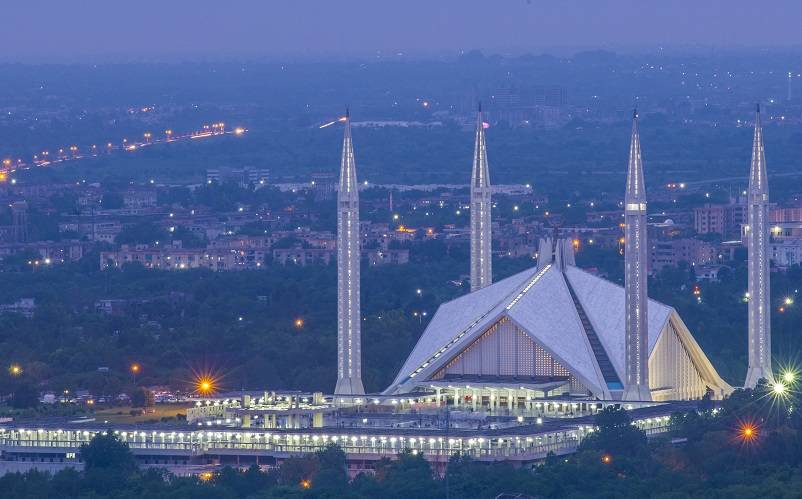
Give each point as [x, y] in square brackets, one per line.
[112, 201]
[332, 476]
[142, 398]
[410, 476]
[25, 395]
[142, 233]
[106, 452]
[616, 434]
[295, 470]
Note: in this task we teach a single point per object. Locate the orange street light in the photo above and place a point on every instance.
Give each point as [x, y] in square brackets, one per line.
[205, 385]
[747, 432]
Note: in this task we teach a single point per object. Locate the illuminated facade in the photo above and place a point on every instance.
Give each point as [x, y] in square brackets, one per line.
[349, 351]
[481, 236]
[552, 330]
[635, 273]
[182, 449]
[757, 234]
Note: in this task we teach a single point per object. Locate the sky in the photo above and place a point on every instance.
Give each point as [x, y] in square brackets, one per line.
[80, 30]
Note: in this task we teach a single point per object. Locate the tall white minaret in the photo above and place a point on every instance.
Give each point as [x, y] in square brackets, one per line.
[635, 258]
[481, 237]
[757, 236]
[349, 337]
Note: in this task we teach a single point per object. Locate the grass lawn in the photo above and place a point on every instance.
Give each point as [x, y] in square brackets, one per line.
[121, 414]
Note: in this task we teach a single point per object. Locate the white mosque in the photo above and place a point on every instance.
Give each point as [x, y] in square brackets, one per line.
[555, 329]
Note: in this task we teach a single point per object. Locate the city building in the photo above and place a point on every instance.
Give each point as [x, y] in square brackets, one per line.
[50, 252]
[323, 186]
[785, 214]
[24, 307]
[297, 254]
[671, 252]
[175, 257]
[387, 256]
[723, 219]
[139, 198]
[786, 252]
[246, 177]
[19, 221]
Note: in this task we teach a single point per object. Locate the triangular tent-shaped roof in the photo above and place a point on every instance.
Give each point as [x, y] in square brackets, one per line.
[548, 305]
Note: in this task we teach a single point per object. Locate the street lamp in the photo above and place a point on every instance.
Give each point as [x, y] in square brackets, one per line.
[205, 385]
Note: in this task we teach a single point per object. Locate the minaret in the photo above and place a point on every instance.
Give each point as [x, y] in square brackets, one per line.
[757, 246]
[481, 237]
[637, 323]
[349, 356]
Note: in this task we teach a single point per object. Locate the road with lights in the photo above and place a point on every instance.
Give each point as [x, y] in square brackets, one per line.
[74, 153]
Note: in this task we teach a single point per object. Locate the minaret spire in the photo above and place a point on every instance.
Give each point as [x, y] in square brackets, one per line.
[757, 246]
[349, 337]
[636, 298]
[481, 236]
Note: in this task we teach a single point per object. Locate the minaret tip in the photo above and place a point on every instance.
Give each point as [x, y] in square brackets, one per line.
[757, 107]
[635, 113]
[347, 112]
[480, 106]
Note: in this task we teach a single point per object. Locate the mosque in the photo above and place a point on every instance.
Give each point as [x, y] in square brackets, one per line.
[554, 329]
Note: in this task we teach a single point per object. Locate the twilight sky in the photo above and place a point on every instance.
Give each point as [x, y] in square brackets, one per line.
[64, 30]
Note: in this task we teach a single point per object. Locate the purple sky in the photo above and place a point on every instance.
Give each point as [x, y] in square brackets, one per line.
[56, 30]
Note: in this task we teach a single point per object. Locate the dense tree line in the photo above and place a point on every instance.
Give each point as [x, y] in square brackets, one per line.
[241, 326]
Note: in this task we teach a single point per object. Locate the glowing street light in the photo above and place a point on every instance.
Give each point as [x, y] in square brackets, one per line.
[779, 388]
[789, 376]
[15, 369]
[747, 432]
[205, 385]
[135, 368]
[299, 323]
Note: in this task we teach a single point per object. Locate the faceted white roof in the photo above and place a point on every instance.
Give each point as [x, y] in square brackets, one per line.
[457, 315]
[547, 313]
[540, 303]
[603, 302]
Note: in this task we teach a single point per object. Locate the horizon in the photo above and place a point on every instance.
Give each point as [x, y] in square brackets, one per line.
[209, 31]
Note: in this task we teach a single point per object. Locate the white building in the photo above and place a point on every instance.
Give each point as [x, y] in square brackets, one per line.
[550, 330]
